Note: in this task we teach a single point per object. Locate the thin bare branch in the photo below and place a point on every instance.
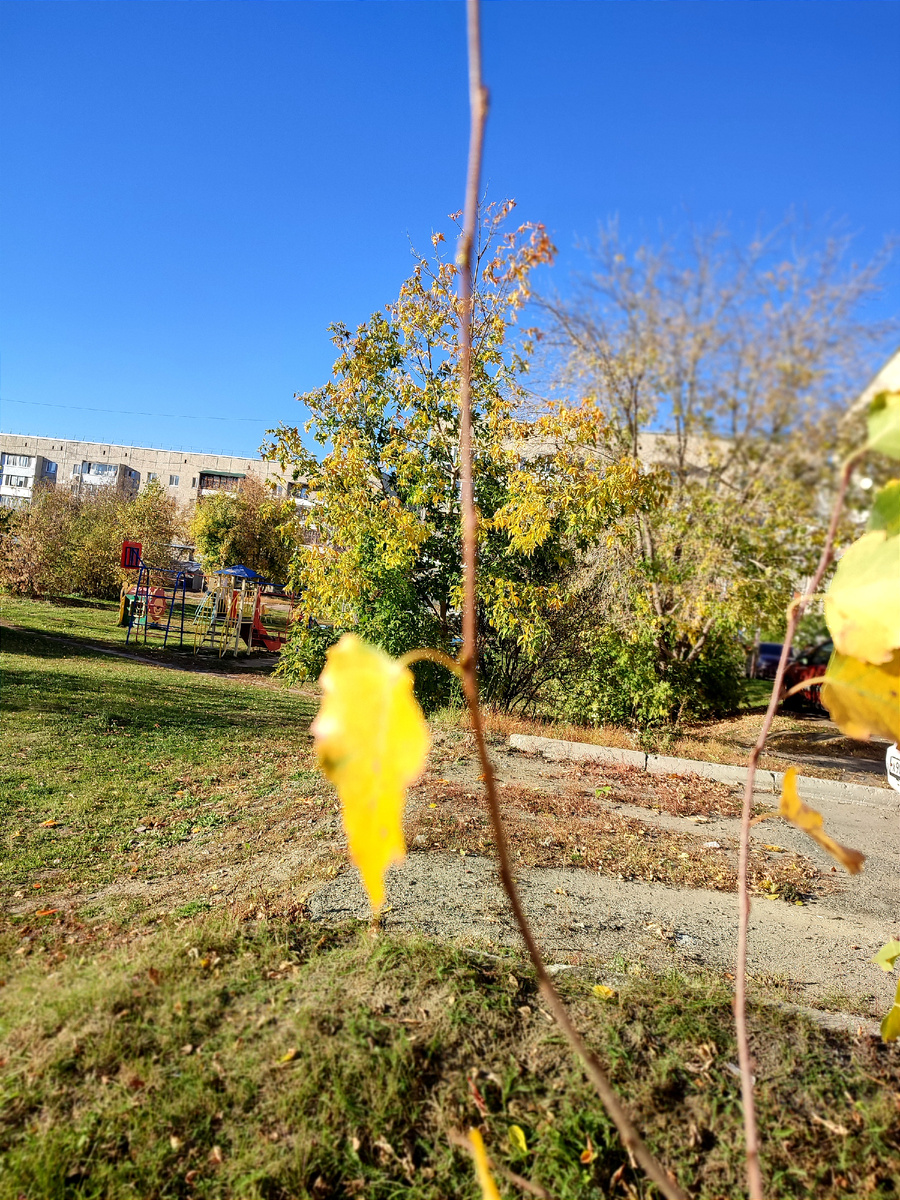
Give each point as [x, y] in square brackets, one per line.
[795, 612]
[631, 1139]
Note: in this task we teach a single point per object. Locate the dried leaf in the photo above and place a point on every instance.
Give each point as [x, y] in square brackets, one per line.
[482, 1170]
[794, 810]
[289, 1055]
[589, 1154]
[602, 992]
[862, 607]
[890, 1026]
[864, 700]
[884, 424]
[518, 1139]
[372, 742]
[887, 956]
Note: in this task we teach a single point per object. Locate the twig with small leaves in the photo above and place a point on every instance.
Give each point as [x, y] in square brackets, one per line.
[478, 98]
[795, 611]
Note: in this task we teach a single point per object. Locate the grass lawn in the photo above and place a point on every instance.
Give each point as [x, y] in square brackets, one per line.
[213, 1051]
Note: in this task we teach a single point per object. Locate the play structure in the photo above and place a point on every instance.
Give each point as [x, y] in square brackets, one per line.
[240, 612]
[155, 604]
[242, 607]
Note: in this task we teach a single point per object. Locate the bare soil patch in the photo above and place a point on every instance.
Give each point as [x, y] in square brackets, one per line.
[568, 829]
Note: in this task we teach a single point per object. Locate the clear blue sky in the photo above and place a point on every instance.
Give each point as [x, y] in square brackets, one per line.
[192, 191]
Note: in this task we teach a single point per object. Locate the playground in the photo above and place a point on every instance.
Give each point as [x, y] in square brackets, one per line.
[231, 611]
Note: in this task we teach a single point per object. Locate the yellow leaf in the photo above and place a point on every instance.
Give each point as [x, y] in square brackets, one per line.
[517, 1137]
[862, 607]
[864, 700]
[602, 991]
[890, 1026]
[887, 956]
[810, 821]
[589, 1153]
[482, 1170]
[884, 424]
[289, 1055]
[371, 741]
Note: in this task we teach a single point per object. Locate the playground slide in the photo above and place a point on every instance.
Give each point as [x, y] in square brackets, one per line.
[260, 635]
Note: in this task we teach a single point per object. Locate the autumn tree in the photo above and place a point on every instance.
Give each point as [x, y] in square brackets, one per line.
[728, 367]
[384, 471]
[250, 525]
[61, 543]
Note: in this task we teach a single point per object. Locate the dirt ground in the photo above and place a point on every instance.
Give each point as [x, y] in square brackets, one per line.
[616, 867]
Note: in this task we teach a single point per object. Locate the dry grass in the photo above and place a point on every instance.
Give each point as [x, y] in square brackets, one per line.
[677, 795]
[566, 829]
[728, 740]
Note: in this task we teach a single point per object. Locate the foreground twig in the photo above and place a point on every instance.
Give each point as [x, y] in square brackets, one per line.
[795, 612]
[478, 98]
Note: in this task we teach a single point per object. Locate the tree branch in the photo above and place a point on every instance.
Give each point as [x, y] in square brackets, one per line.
[795, 612]
[478, 98]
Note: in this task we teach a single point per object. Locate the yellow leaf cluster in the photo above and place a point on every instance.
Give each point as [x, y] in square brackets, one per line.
[372, 742]
[862, 608]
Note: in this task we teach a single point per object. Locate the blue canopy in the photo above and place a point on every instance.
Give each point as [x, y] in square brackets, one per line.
[239, 572]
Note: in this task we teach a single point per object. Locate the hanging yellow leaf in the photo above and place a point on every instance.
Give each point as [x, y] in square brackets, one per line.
[602, 992]
[371, 741]
[482, 1169]
[810, 821]
[884, 424]
[887, 956]
[862, 607]
[517, 1137]
[589, 1153]
[864, 700]
[890, 1026]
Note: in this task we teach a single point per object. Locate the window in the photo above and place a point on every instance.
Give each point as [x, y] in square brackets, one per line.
[151, 475]
[99, 468]
[49, 467]
[16, 460]
[173, 481]
[76, 470]
[16, 480]
[194, 482]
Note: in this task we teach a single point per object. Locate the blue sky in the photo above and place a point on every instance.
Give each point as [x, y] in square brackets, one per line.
[192, 191]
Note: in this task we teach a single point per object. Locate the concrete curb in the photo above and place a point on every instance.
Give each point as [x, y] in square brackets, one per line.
[765, 782]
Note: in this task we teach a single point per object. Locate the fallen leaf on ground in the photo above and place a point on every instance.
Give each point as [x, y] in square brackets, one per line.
[517, 1138]
[794, 810]
[602, 992]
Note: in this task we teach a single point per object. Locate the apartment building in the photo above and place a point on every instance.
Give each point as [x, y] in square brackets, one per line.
[184, 475]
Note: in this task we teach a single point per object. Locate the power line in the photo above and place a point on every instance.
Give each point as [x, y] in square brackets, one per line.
[121, 412]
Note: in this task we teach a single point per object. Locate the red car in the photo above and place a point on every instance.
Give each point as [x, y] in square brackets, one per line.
[810, 664]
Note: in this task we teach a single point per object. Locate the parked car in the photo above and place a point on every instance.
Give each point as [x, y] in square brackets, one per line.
[810, 664]
[767, 658]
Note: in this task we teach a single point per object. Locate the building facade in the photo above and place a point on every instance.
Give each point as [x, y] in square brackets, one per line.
[28, 462]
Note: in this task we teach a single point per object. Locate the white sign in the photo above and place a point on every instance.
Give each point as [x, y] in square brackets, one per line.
[892, 765]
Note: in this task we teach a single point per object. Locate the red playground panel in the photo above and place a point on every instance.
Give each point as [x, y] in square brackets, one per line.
[131, 555]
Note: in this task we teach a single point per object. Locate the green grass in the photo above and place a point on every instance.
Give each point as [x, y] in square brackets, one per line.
[194, 1054]
[278, 1061]
[95, 623]
[755, 693]
[92, 747]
